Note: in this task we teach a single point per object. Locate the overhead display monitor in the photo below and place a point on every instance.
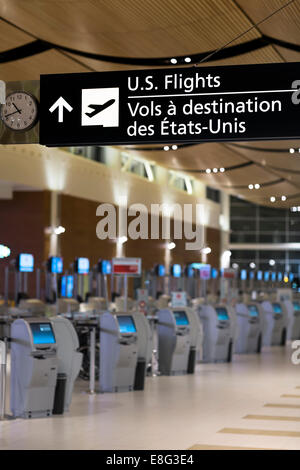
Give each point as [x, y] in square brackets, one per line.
[176, 270]
[259, 275]
[253, 310]
[279, 277]
[214, 273]
[82, 265]
[55, 265]
[243, 275]
[266, 276]
[42, 333]
[126, 324]
[189, 272]
[277, 308]
[67, 286]
[222, 313]
[25, 263]
[104, 266]
[160, 270]
[251, 275]
[291, 277]
[273, 277]
[181, 318]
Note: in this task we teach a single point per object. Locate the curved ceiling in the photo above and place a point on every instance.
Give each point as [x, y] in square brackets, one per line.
[156, 29]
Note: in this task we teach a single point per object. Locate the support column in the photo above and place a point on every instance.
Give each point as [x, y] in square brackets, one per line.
[225, 230]
[54, 248]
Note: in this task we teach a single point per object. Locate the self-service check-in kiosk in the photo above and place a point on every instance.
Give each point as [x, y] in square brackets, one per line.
[274, 323]
[118, 352]
[217, 337]
[145, 347]
[249, 328]
[33, 367]
[69, 359]
[173, 341]
[294, 329]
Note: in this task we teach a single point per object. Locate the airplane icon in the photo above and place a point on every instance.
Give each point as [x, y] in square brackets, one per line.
[97, 108]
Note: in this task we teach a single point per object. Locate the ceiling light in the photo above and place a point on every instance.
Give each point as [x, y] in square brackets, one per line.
[227, 253]
[257, 186]
[59, 230]
[294, 209]
[272, 262]
[208, 170]
[171, 245]
[173, 61]
[283, 198]
[250, 186]
[292, 150]
[166, 148]
[235, 266]
[187, 59]
[272, 199]
[215, 170]
[174, 147]
[222, 170]
[252, 265]
[206, 250]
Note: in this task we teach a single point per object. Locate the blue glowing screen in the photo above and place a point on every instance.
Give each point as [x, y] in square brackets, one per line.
[83, 265]
[259, 275]
[277, 308]
[126, 324]
[181, 318]
[266, 276]
[252, 309]
[42, 333]
[105, 267]
[296, 306]
[67, 285]
[26, 263]
[243, 275]
[222, 313]
[56, 265]
[176, 270]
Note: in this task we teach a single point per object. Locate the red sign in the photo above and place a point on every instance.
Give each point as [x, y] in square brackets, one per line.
[129, 266]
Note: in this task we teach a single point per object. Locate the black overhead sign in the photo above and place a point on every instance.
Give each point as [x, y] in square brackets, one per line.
[178, 105]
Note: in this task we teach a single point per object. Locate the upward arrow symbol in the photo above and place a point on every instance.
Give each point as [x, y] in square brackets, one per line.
[61, 103]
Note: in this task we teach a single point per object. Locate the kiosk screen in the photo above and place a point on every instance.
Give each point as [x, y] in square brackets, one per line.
[181, 318]
[42, 333]
[126, 324]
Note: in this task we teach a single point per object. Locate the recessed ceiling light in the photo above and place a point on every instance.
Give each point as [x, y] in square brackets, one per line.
[166, 148]
[173, 61]
[215, 170]
[272, 199]
[257, 186]
[292, 150]
[174, 147]
[250, 186]
[208, 170]
[188, 59]
[222, 170]
[283, 198]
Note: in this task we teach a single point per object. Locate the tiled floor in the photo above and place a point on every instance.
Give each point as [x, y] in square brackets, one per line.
[209, 410]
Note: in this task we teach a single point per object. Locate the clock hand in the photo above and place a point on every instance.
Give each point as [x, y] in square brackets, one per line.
[19, 111]
[6, 115]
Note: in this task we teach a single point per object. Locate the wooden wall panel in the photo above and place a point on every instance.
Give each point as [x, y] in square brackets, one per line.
[78, 216]
[23, 222]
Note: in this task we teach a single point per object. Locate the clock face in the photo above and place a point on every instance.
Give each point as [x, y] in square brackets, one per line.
[20, 112]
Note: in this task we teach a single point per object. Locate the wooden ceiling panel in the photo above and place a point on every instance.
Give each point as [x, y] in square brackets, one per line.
[283, 25]
[31, 67]
[11, 37]
[165, 28]
[130, 27]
